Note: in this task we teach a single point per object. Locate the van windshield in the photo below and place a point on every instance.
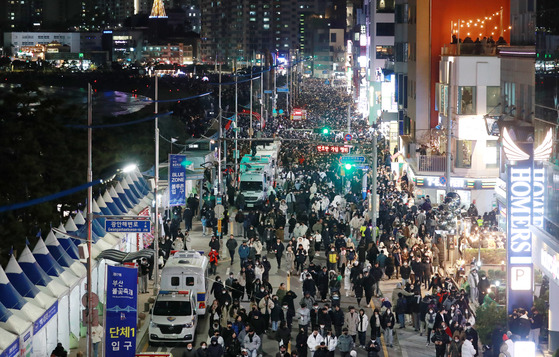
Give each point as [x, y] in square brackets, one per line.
[251, 185]
[172, 308]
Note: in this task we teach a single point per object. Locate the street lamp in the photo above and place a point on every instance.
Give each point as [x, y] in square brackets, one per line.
[129, 168]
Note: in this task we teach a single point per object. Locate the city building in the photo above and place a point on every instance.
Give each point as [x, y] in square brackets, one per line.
[168, 53]
[15, 41]
[235, 31]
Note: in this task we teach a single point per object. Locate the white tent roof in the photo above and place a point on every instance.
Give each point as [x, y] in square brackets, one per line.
[16, 325]
[76, 267]
[54, 287]
[41, 299]
[60, 228]
[28, 312]
[67, 276]
[6, 339]
[70, 225]
[78, 219]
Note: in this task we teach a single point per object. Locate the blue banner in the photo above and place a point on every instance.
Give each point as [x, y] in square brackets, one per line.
[120, 312]
[43, 320]
[12, 350]
[128, 226]
[177, 180]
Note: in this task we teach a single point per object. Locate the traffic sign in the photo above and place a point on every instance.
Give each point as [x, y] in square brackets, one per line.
[348, 137]
[442, 180]
[352, 159]
[127, 226]
[282, 90]
[268, 91]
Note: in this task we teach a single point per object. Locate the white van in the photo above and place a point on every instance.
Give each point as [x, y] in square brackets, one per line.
[187, 270]
[173, 318]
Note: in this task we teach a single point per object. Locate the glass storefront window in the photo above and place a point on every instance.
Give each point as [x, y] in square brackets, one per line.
[493, 100]
[466, 100]
[464, 150]
[491, 155]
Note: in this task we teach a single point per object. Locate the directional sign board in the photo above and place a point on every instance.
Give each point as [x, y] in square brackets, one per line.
[127, 226]
[282, 90]
[352, 159]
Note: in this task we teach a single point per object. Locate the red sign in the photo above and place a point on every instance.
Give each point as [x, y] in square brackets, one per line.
[332, 149]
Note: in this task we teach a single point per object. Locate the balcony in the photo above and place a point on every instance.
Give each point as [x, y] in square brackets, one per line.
[428, 163]
[469, 49]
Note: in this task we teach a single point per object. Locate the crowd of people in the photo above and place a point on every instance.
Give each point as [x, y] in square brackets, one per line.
[315, 223]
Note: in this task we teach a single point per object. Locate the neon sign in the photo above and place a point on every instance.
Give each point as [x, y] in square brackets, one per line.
[332, 149]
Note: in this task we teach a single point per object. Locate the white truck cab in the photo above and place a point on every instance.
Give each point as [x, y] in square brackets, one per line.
[173, 317]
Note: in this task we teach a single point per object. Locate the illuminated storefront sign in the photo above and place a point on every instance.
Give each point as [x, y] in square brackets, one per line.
[459, 183]
[332, 149]
[525, 208]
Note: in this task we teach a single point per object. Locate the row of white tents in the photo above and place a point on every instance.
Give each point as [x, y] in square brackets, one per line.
[41, 291]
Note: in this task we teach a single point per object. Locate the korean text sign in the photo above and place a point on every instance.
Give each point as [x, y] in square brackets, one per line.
[177, 180]
[121, 312]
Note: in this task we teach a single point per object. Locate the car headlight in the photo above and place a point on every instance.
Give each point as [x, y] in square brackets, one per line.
[153, 324]
[189, 325]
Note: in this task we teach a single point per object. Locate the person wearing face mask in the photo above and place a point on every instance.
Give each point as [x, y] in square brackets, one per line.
[468, 348]
[313, 341]
[202, 351]
[345, 343]
[189, 352]
[233, 348]
[301, 343]
[331, 342]
[362, 325]
[283, 352]
[441, 340]
[387, 322]
[455, 346]
[252, 343]
[283, 334]
[374, 323]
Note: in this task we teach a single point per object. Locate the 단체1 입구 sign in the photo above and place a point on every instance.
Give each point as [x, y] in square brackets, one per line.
[121, 314]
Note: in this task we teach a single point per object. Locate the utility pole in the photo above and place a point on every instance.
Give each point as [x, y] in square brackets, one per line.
[236, 130]
[90, 310]
[156, 179]
[262, 104]
[449, 130]
[250, 105]
[220, 174]
[373, 119]
[349, 119]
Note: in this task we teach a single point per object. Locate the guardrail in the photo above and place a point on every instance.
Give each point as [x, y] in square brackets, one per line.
[431, 163]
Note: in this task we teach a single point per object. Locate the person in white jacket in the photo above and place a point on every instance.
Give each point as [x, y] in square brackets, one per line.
[362, 325]
[314, 341]
[468, 349]
[331, 342]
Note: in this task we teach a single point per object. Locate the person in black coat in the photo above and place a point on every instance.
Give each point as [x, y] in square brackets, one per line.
[301, 343]
[215, 349]
[309, 285]
[441, 340]
[278, 249]
[233, 348]
[217, 288]
[375, 323]
[323, 283]
[338, 320]
[373, 347]
[202, 351]
[358, 282]
[283, 334]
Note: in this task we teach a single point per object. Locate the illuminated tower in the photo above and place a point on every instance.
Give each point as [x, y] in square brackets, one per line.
[158, 10]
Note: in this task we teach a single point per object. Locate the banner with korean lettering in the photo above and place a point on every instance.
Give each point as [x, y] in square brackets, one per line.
[177, 180]
[120, 311]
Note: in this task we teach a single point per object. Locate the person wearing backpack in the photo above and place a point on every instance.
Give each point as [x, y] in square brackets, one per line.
[401, 308]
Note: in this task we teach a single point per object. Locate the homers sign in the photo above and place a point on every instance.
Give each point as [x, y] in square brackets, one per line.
[525, 198]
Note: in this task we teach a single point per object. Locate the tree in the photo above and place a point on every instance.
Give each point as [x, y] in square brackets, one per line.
[488, 318]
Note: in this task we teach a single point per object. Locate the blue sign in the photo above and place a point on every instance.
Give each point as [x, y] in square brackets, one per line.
[348, 137]
[43, 320]
[128, 226]
[12, 350]
[120, 311]
[177, 180]
[442, 180]
[268, 91]
[283, 90]
[352, 159]
[326, 82]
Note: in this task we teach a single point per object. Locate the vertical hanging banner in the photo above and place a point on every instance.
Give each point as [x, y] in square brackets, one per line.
[177, 180]
[120, 311]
